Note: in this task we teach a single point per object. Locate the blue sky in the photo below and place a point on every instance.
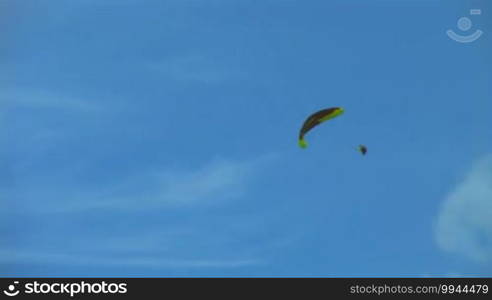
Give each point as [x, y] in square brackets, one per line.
[158, 138]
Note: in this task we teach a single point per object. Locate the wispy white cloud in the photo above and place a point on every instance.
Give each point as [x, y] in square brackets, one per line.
[209, 242]
[216, 181]
[464, 223]
[194, 68]
[221, 178]
[28, 257]
[45, 99]
[154, 247]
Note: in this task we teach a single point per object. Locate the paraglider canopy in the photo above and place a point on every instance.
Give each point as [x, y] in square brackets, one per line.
[316, 119]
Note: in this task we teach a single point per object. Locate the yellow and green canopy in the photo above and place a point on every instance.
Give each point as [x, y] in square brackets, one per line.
[316, 119]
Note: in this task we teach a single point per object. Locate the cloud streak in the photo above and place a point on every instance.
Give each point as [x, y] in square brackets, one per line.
[464, 223]
[40, 99]
[218, 180]
[195, 69]
[210, 242]
[11, 257]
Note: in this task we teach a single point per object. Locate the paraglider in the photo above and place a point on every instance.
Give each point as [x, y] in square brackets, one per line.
[362, 149]
[316, 119]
